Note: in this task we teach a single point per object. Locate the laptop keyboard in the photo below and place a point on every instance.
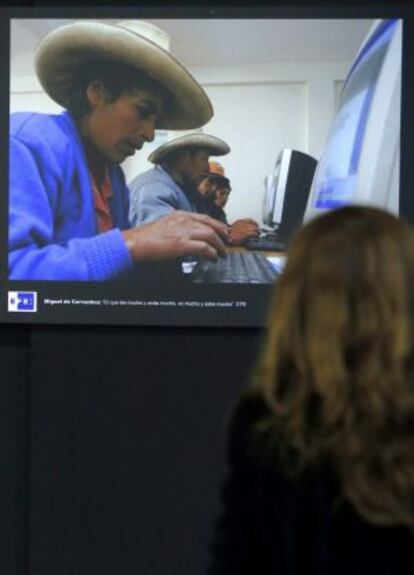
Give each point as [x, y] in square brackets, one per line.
[235, 267]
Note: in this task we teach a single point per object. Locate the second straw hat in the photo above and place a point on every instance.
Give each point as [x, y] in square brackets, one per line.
[213, 145]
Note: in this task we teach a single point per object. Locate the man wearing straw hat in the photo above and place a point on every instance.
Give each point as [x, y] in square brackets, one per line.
[68, 203]
[180, 165]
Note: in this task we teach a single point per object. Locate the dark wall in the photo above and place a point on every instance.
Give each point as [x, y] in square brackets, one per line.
[112, 443]
[14, 346]
[112, 439]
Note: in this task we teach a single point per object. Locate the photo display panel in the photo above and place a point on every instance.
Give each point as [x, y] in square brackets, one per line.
[59, 265]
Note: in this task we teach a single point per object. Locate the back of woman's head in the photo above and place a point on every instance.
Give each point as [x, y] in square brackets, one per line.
[337, 368]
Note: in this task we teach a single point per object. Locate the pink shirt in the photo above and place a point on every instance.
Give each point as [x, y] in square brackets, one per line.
[101, 195]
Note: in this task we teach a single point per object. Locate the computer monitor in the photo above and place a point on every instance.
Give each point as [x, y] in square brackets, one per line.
[287, 191]
[361, 159]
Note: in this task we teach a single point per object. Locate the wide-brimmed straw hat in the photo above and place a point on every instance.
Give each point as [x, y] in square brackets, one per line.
[214, 146]
[67, 51]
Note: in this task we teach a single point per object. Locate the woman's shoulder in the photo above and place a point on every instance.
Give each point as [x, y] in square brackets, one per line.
[257, 439]
[250, 409]
[248, 427]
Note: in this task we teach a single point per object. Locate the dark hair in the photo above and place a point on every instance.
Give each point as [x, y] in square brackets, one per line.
[337, 367]
[116, 79]
[175, 155]
[219, 181]
[212, 184]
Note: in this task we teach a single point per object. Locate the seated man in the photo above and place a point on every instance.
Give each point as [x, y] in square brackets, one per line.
[68, 202]
[180, 165]
[215, 189]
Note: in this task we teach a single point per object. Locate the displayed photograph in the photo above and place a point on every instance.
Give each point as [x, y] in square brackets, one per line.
[158, 169]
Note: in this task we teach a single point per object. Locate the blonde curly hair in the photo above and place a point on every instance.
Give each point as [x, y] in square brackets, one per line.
[337, 367]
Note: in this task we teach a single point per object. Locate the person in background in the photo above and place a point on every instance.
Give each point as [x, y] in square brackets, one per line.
[215, 189]
[180, 166]
[321, 456]
[68, 201]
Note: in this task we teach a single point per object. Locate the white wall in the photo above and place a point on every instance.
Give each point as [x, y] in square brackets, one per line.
[258, 110]
[256, 120]
[261, 109]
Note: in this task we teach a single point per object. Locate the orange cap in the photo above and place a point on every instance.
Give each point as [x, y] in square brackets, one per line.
[215, 168]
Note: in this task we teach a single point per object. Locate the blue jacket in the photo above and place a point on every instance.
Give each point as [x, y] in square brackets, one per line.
[155, 194]
[53, 232]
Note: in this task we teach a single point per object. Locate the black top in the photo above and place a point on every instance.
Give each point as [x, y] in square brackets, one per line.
[208, 207]
[270, 524]
[217, 213]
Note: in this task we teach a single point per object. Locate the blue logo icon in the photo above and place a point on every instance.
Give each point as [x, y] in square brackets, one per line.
[22, 301]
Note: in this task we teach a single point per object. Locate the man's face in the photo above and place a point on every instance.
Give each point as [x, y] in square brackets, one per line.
[222, 195]
[194, 167]
[115, 130]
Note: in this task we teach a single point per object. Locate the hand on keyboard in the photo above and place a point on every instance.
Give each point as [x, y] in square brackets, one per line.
[176, 235]
[242, 230]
